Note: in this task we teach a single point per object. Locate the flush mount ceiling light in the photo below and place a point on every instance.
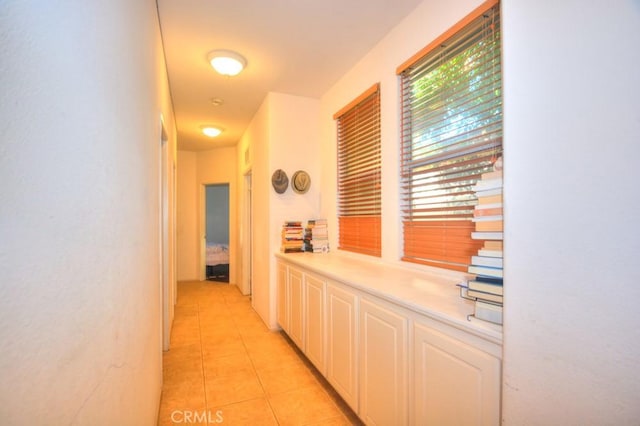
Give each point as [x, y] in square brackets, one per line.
[211, 131]
[227, 62]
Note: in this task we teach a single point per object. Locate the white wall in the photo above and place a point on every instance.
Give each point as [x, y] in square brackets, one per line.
[282, 135]
[293, 146]
[188, 251]
[424, 24]
[572, 151]
[83, 88]
[195, 170]
[255, 143]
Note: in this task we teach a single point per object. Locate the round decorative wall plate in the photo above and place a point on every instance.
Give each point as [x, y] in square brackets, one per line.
[280, 181]
[300, 182]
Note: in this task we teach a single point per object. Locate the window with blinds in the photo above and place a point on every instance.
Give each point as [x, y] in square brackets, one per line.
[359, 156]
[451, 134]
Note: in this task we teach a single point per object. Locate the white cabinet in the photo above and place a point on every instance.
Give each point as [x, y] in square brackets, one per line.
[289, 302]
[454, 383]
[392, 364]
[314, 336]
[301, 311]
[296, 320]
[282, 301]
[342, 354]
[383, 364]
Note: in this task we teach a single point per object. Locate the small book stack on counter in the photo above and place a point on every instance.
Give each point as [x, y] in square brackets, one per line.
[485, 288]
[292, 237]
[316, 236]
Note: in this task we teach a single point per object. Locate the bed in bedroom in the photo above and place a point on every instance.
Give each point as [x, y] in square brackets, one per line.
[217, 261]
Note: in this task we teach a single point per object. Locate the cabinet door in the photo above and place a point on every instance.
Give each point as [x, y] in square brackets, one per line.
[454, 383]
[342, 355]
[296, 318]
[314, 322]
[383, 364]
[282, 311]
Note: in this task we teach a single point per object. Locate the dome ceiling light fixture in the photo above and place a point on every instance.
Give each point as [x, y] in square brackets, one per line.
[211, 131]
[227, 62]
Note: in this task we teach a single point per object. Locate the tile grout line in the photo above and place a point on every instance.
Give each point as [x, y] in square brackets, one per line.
[333, 396]
[204, 378]
[242, 325]
[255, 370]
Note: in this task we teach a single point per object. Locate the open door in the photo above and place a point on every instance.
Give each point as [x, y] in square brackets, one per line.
[217, 232]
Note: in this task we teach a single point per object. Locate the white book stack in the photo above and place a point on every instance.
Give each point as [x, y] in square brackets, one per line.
[316, 236]
[486, 287]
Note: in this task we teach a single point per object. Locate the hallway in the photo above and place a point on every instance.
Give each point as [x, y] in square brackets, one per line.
[226, 367]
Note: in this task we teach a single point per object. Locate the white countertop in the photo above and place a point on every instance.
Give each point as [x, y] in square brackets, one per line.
[436, 296]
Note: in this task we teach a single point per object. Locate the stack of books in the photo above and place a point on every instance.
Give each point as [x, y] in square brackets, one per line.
[487, 284]
[292, 237]
[316, 236]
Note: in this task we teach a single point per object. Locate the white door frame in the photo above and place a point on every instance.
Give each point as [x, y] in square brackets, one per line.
[166, 171]
[247, 236]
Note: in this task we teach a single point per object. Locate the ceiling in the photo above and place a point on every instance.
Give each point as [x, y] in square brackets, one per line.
[298, 47]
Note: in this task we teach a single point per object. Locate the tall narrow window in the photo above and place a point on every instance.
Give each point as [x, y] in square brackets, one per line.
[451, 134]
[359, 174]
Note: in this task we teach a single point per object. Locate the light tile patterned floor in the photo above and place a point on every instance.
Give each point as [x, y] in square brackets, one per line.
[225, 367]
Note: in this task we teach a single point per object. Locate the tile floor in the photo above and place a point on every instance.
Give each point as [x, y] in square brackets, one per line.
[225, 367]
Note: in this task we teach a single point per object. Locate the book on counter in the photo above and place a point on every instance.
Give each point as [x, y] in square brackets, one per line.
[485, 271]
[489, 225]
[316, 236]
[489, 199]
[470, 291]
[492, 262]
[484, 193]
[493, 245]
[292, 240]
[487, 218]
[486, 285]
[490, 297]
[488, 311]
[291, 250]
[489, 252]
[487, 235]
[292, 224]
[482, 210]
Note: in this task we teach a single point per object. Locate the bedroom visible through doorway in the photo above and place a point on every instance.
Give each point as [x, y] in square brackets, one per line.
[217, 232]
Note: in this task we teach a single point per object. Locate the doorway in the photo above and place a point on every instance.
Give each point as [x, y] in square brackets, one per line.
[246, 237]
[167, 178]
[217, 232]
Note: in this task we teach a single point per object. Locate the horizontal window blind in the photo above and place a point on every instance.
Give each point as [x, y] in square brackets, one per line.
[451, 134]
[359, 157]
